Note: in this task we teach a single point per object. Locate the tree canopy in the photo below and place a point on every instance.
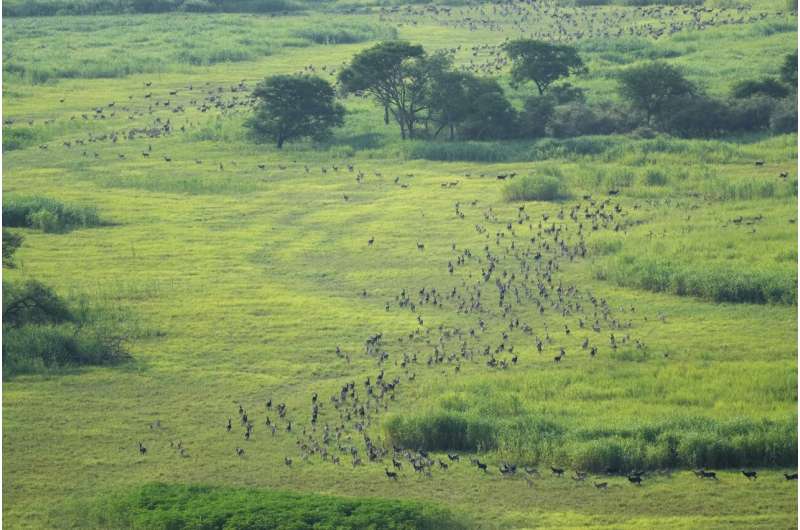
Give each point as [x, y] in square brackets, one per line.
[651, 87]
[397, 75]
[542, 62]
[295, 106]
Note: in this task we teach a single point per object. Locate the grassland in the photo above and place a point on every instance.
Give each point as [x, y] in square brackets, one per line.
[240, 282]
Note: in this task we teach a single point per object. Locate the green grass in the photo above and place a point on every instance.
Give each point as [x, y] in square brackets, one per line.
[47, 215]
[236, 283]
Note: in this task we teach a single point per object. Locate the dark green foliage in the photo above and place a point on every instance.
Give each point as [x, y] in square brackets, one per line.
[18, 138]
[751, 114]
[789, 70]
[762, 87]
[579, 119]
[162, 506]
[48, 215]
[542, 62]
[490, 115]
[535, 116]
[536, 188]
[11, 242]
[784, 118]
[295, 106]
[652, 87]
[694, 116]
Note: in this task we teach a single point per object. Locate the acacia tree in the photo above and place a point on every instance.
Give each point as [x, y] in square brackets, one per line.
[542, 62]
[295, 106]
[652, 87]
[396, 74]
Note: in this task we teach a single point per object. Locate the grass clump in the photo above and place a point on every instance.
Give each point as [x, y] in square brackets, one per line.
[344, 34]
[181, 506]
[440, 431]
[536, 188]
[47, 215]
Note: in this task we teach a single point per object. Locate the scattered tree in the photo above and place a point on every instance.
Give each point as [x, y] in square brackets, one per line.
[396, 74]
[295, 106]
[542, 62]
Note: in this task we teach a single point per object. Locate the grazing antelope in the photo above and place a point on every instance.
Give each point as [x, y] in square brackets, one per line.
[557, 471]
[792, 476]
[635, 480]
[751, 475]
[390, 474]
[142, 449]
[239, 451]
[601, 485]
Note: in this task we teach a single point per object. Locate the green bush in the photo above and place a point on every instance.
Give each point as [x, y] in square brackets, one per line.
[48, 215]
[41, 332]
[216, 508]
[536, 188]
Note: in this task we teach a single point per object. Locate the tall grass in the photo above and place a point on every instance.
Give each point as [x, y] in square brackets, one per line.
[620, 416]
[207, 507]
[48, 215]
[717, 282]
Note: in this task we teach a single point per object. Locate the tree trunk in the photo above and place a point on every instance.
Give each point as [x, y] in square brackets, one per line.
[386, 114]
[452, 132]
[281, 139]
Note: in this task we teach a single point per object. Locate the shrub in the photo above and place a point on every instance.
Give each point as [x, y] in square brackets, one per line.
[655, 177]
[535, 117]
[536, 188]
[752, 114]
[47, 214]
[784, 118]
[11, 242]
[695, 116]
[762, 87]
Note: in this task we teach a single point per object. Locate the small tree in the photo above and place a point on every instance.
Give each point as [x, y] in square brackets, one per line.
[295, 106]
[542, 62]
[396, 74]
[651, 87]
[448, 102]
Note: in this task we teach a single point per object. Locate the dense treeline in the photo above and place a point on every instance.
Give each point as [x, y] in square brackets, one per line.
[428, 98]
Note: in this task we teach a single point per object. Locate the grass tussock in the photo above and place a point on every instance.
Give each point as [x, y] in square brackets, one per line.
[536, 188]
[182, 506]
[47, 215]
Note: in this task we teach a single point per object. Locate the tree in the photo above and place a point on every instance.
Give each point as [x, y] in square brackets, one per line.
[396, 74]
[542, 62]
[762, 87]
[789, 70]
[11, 242]
[295, 106]
[651, 87]
[491, 116]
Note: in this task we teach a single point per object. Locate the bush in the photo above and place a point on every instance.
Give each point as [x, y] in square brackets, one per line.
[752, 114]
[784, 118]
[536, 188]
[207, 507]
[655, 177]
[47, 215]
[767, 86]
[535, 117]
[41, 331]
[348, 34]
[695, 116]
